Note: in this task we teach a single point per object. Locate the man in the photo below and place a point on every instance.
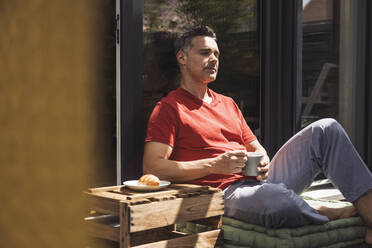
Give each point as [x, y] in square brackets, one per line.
[198, 136]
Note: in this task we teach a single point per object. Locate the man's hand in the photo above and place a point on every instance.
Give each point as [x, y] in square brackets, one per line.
[263, 169]
[229, 162]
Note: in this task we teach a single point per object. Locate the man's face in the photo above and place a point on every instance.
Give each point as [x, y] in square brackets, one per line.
[201, 60]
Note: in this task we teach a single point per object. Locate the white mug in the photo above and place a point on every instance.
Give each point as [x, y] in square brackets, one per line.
[253, 161]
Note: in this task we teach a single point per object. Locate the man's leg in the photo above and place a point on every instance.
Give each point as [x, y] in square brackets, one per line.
[368, 238]
[321, 147]
[364, 207]
[269, 205]
[324, 147]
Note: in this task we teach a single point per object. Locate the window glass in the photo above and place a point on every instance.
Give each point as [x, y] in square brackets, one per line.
[334, 65]
[235, 23]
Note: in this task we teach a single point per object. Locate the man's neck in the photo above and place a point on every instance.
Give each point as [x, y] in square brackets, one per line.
[198, 90]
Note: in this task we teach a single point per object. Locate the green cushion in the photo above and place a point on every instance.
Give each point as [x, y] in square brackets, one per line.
[338, 233]
[334, 234]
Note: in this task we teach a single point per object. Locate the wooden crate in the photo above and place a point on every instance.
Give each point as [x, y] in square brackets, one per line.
[147, 219]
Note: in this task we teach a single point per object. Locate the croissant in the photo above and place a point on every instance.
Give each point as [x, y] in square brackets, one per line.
[149, 180]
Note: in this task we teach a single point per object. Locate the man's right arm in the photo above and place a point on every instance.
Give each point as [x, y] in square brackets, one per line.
[156, 161]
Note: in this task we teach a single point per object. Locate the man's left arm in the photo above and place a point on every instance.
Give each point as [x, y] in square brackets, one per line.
[255, 146]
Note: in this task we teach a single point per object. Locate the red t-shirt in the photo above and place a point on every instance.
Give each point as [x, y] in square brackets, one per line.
[198, 130]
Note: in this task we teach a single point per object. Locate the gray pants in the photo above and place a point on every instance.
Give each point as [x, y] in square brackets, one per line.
[320, 147]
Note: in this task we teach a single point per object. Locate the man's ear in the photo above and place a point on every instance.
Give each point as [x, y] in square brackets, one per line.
[181, 57]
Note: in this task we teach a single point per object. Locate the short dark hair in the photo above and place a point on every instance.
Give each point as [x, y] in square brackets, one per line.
[184, 41]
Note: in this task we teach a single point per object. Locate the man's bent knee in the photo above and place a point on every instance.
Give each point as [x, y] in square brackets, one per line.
[328, 127]
[327, 124]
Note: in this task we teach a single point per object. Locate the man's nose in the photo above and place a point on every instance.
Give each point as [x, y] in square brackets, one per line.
[213, 58]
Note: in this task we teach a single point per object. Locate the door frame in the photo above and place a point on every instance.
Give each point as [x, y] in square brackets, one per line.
[281, 71]
[130, 138]
[368, 103]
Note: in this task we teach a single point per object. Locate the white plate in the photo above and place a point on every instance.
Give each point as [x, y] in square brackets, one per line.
[133, 184]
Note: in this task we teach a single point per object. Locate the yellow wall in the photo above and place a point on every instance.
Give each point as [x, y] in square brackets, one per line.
[56, 117]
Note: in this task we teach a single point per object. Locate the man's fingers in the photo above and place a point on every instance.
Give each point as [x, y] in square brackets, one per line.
[238, 159]
[264, 162]
[238, 156]
[237, 170]
[233, 157]
[240, 167]
[238, 153]
[261, 177]
[262, 169]
[237, 166]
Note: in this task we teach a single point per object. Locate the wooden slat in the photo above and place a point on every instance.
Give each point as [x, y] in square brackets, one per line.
[125, 216]
[174, 189]
[180, 210]
[109, 195]
[103, 226]
[104, 231]
[102, 218]
[102, 205]
[122, 193]
[189, 188]
[100, 243]
[186, 187]
[202, 240]
[108, 188]
[140, 201]
[151, 194]
[154, 235]
[215, 222]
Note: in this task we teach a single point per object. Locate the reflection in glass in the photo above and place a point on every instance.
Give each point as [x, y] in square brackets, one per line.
[334, 65]
[235, 23]
[320, 62]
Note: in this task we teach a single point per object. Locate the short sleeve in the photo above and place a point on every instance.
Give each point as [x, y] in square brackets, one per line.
[162, 125]
[247, 133]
